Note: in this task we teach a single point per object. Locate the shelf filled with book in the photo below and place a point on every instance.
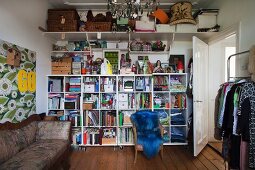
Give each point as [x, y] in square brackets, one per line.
[100, 106]
[169, 100]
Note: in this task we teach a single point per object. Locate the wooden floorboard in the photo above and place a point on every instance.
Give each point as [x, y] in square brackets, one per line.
[175, 157]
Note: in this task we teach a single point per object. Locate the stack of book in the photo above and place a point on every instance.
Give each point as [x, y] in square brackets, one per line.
[72, 101]
[126, 135]
[55, 101]
[55, 85]
[75, 84]
[108, 118]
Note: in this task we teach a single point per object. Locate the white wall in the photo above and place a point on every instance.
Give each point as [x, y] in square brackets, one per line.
[238, 11]
[19, 25]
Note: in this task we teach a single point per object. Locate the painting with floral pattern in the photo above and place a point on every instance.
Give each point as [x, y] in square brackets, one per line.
[17, 84]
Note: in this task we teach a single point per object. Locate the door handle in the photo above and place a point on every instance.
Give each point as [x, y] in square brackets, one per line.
[198, 101]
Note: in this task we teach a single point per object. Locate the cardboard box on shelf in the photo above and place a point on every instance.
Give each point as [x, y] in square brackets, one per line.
[123, 105]
[165, 28]
[206, 21]
[89, 88]
[108, 140]
[87, 105]
[187, 28]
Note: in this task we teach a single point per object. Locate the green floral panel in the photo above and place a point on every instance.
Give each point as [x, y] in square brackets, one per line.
[15, 106]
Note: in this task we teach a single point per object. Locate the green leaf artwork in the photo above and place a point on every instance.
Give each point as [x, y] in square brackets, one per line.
[28, 65]
[10, 114]
[5, 46]
[25, 55]
[11, 76]
[28, 97]
[14, 105]
[3, 100]
[2, 59]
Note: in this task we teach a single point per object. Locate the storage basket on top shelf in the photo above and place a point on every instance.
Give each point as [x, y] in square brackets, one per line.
[62, 20]
[98, 26]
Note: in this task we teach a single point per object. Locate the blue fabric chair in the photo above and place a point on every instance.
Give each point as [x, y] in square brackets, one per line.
[148, 133]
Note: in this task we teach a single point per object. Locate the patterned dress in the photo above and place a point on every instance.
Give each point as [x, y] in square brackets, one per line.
[248, 92]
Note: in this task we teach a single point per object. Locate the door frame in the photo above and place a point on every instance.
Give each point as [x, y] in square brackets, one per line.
[234, 29]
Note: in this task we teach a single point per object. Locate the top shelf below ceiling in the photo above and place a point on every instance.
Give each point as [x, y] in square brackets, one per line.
[124, 36]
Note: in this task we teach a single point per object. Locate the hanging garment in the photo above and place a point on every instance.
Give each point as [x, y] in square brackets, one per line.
[217, 130]
[228, 119]
[234, 152]
[236, 105]
[222, 104]
[243, 155]
[248, 95]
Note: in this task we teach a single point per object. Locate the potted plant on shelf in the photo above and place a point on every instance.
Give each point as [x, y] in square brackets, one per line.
[158, 46]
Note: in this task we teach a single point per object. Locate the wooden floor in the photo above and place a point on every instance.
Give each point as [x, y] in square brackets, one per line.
[175, 157]
[216, 145]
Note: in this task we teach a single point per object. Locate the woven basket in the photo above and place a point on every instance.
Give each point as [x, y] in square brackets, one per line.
[98, 26]
[147, 47]
[56, 26]
[136, 46]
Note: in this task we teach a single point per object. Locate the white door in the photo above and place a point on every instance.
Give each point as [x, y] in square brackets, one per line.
[200, 95]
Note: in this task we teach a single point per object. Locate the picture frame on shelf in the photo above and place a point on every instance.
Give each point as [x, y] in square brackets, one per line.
[113, 56]
[174, 59]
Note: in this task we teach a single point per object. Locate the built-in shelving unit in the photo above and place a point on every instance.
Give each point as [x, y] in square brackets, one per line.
[124, 36]
[99, 106]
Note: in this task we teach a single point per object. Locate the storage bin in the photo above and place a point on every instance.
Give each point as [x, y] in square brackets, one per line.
[62, 20]
[98, 26]
[68, 14]
[108, 88]
[89, 88]
[187, 28]
[87, 106]
[57, 26]
[206, 21]
[76, 65]
[165, 28]
[123, 105]
[123, 97]
[76, 71]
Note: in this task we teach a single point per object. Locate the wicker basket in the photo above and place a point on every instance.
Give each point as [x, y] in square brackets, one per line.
[56, 26]
[136, 46]
[98, 26]
[68, 14]
[146, 47]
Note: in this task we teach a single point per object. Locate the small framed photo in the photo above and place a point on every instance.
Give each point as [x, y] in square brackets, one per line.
[174, 59]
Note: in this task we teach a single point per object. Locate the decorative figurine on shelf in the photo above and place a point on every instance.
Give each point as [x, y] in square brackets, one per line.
[158, 68]
[114, 27]
[122, 60]
[150, 67]
[180, 67]
[90, 16]
[133, 69]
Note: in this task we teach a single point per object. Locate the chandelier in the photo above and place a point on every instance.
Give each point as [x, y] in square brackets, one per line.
[131, 8]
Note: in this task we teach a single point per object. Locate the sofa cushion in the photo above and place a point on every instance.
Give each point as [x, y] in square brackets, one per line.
[30, 132]
[53, 130]
[39, 155]
[11, 142]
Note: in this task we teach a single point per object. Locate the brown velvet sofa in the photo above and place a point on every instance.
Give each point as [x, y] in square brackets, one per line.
[35, 144]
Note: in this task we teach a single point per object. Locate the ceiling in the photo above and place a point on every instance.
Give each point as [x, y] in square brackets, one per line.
[102, 4]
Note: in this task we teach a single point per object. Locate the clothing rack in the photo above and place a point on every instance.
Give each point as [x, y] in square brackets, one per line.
[228, 64]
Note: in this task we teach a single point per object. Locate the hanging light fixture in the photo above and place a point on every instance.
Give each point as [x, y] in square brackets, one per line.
[131, 8]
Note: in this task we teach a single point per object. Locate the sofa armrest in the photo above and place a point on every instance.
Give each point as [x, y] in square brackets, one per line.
[53, 130]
